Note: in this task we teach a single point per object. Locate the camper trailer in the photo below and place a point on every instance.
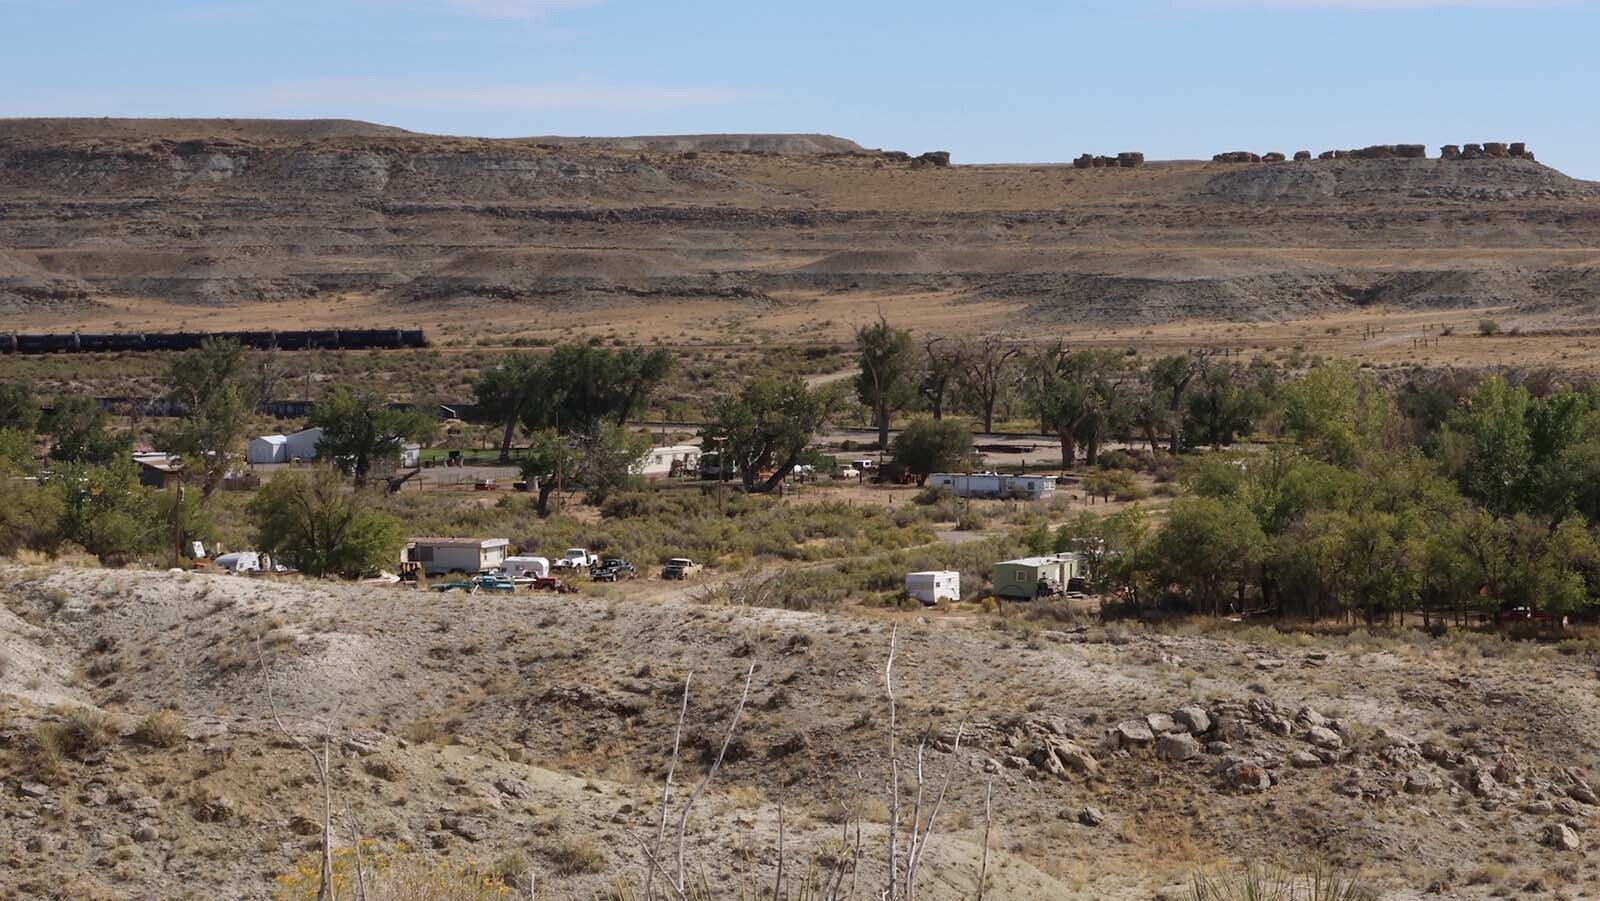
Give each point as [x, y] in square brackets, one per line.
[440, 556]
[526, 569]
[994, 485]
[934, 586]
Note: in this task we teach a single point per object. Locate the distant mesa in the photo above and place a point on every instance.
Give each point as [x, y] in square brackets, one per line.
[1488, 150]
[1126, 160]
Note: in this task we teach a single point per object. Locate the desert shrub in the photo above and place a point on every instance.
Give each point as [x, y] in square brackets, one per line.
[162, 729]
[1257, 883]
[576, 856]
[933, 495]
[1488, 327]
[80, 733]
[971, 520]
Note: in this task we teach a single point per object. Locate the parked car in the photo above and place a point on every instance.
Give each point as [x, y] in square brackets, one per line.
[613, 569]
[551, 583]
[680, 568]
[576, 558]
[476, 584]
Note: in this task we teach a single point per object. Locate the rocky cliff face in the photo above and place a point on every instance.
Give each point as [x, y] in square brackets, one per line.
[238, 211]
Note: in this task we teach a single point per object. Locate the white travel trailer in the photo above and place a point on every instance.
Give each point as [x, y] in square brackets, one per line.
[993, 484]
[662, 462]
[933, 586]
[526, 568]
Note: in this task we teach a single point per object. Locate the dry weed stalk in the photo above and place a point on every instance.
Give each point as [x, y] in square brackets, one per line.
[323, 765]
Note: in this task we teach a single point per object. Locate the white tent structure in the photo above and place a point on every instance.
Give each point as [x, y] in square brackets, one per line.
[301, 445]
[267, 449]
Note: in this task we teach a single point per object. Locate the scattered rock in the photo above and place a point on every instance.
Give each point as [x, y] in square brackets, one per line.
[216, 810]
[1091, 816]
[1323, 737]
[1218, 747]
[1160, 722]
[1074, 757]
[515, 788]
[1134, 732]
[1304, 760]
[1301, 156]
[1560, 837]
[33, 790]
[304, 825]
[1194, 720]
[43, 844]
[1177, 746]
[471, 830]
[1247, 776]
[1421, 782]
[146, 832]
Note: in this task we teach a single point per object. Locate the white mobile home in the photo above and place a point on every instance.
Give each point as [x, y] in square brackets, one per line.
[663, 462]
[438, 556]
[933, 586]
[993, 484]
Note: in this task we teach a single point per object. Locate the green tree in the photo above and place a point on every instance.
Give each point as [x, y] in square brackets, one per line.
[1170, 377]
[609, 458]
[1335, 413]
[78, 434]
[30, 515]
[984, 374]
[926, 446]
[360, 434]
[16, 450]
[941, 365]
[215, 388]
[1206, 547]
[1080, 398]
[19, 408]
[315, 524]
[767, 426]
[107, 512]
[551, 459]
[512, 392]
[887, 380]
[583, 387]
[1487, 446]
[1220, 407]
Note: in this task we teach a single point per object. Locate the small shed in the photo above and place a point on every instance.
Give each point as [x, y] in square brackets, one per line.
[439, 556]
[1025, 577]
[663, 462]
[410, 455]
[932, 586]
[157, 470]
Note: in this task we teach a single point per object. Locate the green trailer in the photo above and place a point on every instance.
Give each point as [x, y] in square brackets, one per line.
[1031, 577]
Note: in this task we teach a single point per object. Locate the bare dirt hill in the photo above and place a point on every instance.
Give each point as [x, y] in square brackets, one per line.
[137, 221]
[490, 728]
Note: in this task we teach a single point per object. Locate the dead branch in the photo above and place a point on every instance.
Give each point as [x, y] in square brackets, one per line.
[672, 767]
[988, 822]
[894, 767]
[727, 739]
[325, 880]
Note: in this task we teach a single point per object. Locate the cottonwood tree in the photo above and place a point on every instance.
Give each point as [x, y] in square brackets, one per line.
[886, 381]
[509, 393]
[926, 446]
[77, 429]
[551, 457]
[1170, 377]
[1042, 364]
[1220, 407]
[214, 388]
[984, 373]
[584, 386]
[766, 427]
[317, 525]
[19, 407]
[360, 433]
[1079, 398]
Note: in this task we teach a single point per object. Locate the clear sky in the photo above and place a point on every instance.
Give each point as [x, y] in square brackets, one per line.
[1004, 81]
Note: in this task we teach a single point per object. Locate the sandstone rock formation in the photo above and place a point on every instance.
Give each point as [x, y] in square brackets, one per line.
[1301, 156]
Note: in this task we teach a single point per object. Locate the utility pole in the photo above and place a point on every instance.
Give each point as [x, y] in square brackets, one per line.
[177, 527]
[722, 470]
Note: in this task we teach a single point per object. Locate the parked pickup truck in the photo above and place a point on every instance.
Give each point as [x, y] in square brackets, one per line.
[680, 568]
[477, 584]
[576, 558]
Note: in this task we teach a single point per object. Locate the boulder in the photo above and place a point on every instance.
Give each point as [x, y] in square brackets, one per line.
[1328, 155]
[1273, 157]
[937, 158]
[1411, 151]
[1105, 162]
[34, 790]
[1308, 716]
[1323, 737]
[146, 832]
[1177, 746]
[1480, 783]
[1495, 150]
[1450, 152]
[43, 844]
[1091, 816]
[1236, 156]
[1517, 149]
[1340, 154]
[1421, 782]
[1133, 732]
[1471, 152]
[471, 830]
[1304, 760]
[1160, 723]
[1083, 162]
[1247, 776]
[1074, 757]
[1579, 790]
[1193, 720]
[1301, 156]
[1560, 837]
[1529, 156]
[1130, 159]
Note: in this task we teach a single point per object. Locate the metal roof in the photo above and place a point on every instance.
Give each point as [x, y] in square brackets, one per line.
[463, 542]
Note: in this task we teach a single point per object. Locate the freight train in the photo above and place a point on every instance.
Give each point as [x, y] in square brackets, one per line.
[319, 339]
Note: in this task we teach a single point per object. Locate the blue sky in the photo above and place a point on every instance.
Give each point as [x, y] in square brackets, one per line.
[997, 82]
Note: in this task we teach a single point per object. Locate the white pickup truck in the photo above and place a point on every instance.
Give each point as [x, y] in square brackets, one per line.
[577, 558]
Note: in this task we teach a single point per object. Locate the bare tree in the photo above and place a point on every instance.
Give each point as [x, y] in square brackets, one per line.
[941, 364]
[322, 763]
[983, 373]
